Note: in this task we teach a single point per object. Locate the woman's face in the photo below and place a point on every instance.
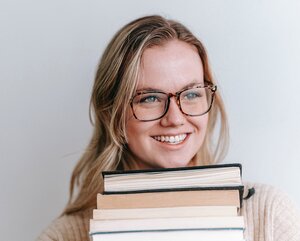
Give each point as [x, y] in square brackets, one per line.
[169, 68]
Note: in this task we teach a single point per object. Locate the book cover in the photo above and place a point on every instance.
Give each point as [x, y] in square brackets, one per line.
[121, 172]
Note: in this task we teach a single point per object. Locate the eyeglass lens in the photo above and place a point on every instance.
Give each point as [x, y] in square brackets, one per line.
[153, 105]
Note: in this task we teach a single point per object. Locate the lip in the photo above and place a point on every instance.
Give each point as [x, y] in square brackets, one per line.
[172, 134]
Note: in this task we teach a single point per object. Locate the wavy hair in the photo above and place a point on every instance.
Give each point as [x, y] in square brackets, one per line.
[115, 83]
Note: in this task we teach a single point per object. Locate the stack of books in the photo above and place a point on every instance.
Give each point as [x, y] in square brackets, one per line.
[192, 203]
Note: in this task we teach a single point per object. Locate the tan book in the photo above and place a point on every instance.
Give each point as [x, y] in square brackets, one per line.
[173, 212]
[169, 199]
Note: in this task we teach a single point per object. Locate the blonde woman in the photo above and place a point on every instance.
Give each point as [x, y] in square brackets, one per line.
[148, 74]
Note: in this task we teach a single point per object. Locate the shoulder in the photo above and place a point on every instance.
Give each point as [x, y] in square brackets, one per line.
[68, 227]
[267, 196]
[271, 213]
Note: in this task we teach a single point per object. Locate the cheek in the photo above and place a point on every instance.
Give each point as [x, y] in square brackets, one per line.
[204, 122]
[200, 123]
[136, 130]
[131, 126]
[131, 131]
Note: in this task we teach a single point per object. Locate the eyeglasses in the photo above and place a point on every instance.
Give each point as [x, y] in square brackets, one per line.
[193, 101]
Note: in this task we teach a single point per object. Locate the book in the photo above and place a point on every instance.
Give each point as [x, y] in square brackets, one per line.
[155, 224]
[167, 212]
[177, 235]
[192, 203]
[230, 197]
[222, 175]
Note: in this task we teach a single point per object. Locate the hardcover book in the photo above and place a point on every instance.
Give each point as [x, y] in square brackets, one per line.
[227, 197]
[163, 224]
[167, 212]
[177, 235]
[222, 175]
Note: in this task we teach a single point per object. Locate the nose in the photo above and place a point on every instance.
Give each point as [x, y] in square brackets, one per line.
[174, 116]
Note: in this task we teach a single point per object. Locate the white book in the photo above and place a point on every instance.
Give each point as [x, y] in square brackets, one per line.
[180, 235]
[123, 225]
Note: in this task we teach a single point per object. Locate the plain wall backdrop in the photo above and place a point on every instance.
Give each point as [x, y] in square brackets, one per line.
[49, 51]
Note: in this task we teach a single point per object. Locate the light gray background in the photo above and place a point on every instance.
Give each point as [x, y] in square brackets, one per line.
[48, 56]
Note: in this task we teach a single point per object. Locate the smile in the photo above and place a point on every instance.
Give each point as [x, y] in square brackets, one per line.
[171, 139]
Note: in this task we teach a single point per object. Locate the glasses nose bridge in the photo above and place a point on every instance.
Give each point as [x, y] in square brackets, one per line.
[177, 97]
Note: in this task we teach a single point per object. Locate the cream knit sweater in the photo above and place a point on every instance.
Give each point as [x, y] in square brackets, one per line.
[269, 216]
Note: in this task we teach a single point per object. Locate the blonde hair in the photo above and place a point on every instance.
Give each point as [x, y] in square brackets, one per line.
[115, 83]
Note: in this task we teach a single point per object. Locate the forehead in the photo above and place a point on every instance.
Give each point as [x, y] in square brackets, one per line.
[170, 67]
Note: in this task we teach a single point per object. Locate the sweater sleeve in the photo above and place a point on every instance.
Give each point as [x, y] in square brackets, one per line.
[286, 224]
[73, 227]
[270, 215]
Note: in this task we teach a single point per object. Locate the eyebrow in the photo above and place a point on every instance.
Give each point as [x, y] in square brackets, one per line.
[159, 90]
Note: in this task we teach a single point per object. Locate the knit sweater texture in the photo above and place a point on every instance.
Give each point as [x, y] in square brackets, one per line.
[269, 216]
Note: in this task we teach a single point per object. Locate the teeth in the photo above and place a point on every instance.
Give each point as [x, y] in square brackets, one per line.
[171, 139]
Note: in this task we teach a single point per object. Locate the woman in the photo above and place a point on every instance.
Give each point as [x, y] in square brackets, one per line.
[156, 104]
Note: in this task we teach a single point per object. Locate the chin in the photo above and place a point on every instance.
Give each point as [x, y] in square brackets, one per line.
[162, 161]
[174, 164]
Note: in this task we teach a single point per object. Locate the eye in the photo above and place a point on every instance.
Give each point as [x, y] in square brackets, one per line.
[148, 98]
[191, 95]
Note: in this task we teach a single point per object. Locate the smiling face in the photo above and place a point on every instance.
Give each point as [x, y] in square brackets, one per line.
[173, 140]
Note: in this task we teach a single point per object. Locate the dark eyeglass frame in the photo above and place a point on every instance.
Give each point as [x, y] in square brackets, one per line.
[209, 85]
